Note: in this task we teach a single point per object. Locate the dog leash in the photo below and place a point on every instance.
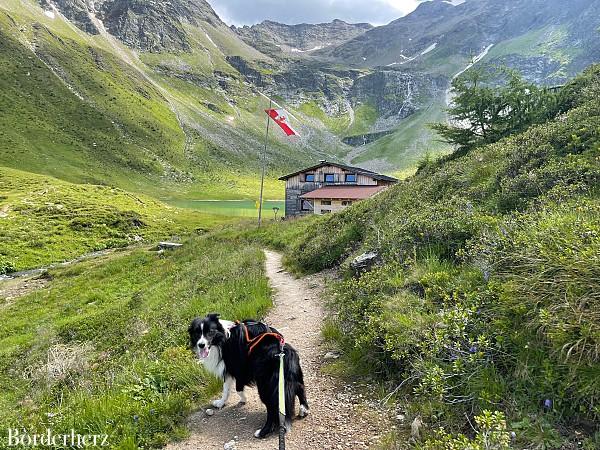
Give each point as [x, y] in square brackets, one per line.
[281, 401]
[253, 342]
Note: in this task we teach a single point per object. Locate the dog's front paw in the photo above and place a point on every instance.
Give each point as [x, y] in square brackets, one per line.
[257, 434]
[242, 396]
[218, 404]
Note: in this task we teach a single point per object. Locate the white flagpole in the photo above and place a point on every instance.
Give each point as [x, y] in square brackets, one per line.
[264, 168]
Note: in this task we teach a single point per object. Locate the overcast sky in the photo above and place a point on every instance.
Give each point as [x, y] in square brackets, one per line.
[248, 12]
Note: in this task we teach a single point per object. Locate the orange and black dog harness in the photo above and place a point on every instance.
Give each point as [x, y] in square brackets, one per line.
[253, 342]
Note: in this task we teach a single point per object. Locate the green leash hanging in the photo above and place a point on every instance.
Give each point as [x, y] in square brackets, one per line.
[281, 402]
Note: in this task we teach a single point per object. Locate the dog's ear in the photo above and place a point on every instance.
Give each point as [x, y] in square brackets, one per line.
[214, 316]
[195, 324]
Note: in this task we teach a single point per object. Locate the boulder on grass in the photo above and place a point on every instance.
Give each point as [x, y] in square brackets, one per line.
[169, 245]
[365, 262]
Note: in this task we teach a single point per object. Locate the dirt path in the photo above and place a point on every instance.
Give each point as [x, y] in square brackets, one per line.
[11, 290]
[339, 418]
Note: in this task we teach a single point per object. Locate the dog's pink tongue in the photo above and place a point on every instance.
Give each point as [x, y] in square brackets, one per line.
[204, 353]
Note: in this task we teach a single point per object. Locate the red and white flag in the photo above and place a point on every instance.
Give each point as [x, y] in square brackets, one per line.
[281, 118]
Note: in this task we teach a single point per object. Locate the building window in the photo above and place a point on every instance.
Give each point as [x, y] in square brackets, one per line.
[325, 211]
[350, 178]
[329, 178]
[309, 178]
[326, 202]
[306, 205]
[347, 203]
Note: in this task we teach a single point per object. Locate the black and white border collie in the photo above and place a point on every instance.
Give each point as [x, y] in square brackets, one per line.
[223, 349]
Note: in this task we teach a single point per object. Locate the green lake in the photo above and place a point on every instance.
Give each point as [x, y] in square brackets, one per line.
[234, 208]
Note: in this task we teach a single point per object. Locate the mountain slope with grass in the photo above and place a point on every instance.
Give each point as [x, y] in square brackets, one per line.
[485, 295]
[164, 98]
[549, 42]
[93, 100]
[44, 220]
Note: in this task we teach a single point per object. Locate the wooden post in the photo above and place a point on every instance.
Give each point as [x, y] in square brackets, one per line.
[264, 168]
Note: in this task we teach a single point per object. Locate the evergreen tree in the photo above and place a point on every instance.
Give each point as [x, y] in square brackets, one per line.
[481, 113]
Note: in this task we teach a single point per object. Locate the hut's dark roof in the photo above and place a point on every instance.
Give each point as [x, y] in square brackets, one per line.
[357, 170]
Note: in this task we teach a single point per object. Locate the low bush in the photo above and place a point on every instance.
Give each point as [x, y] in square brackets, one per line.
[546, 267]
[491, 434]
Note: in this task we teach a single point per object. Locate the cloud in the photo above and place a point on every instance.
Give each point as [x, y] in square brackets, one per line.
[247, 12]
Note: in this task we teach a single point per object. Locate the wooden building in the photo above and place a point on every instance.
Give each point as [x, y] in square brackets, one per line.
[329, 187]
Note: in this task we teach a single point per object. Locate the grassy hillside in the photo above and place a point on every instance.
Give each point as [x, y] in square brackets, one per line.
[550, 42]
[98, 121]
[106, 351]
[486, 295]
[86, 109]
[409, 143]
[44, 220]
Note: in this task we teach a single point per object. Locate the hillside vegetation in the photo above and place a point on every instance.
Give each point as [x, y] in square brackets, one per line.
[103, 348]
[486, 297]
[44, 220]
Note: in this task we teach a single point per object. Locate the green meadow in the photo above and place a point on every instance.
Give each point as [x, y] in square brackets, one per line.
[44, 220]
[103, 348]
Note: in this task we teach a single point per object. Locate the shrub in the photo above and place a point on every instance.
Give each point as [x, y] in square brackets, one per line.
[6, 265]
[546, 265]
[491, 434]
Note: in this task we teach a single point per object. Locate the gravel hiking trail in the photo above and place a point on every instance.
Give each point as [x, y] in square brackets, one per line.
[340, 417]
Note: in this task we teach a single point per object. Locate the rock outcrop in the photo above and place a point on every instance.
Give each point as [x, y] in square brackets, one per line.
[395, 94]
[77, 11]
[153, 26]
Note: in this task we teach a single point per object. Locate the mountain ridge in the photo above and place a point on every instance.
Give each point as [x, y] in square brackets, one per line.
[274, 38]
[375, 88]
[465, 29]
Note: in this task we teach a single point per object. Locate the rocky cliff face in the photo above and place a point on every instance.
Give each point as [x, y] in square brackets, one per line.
[395, 94]
[77, 11]
[298, 82]
[149, 26]
[276, 38]
[152, 26]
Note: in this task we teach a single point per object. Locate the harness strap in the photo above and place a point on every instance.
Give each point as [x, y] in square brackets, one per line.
[253, 342]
